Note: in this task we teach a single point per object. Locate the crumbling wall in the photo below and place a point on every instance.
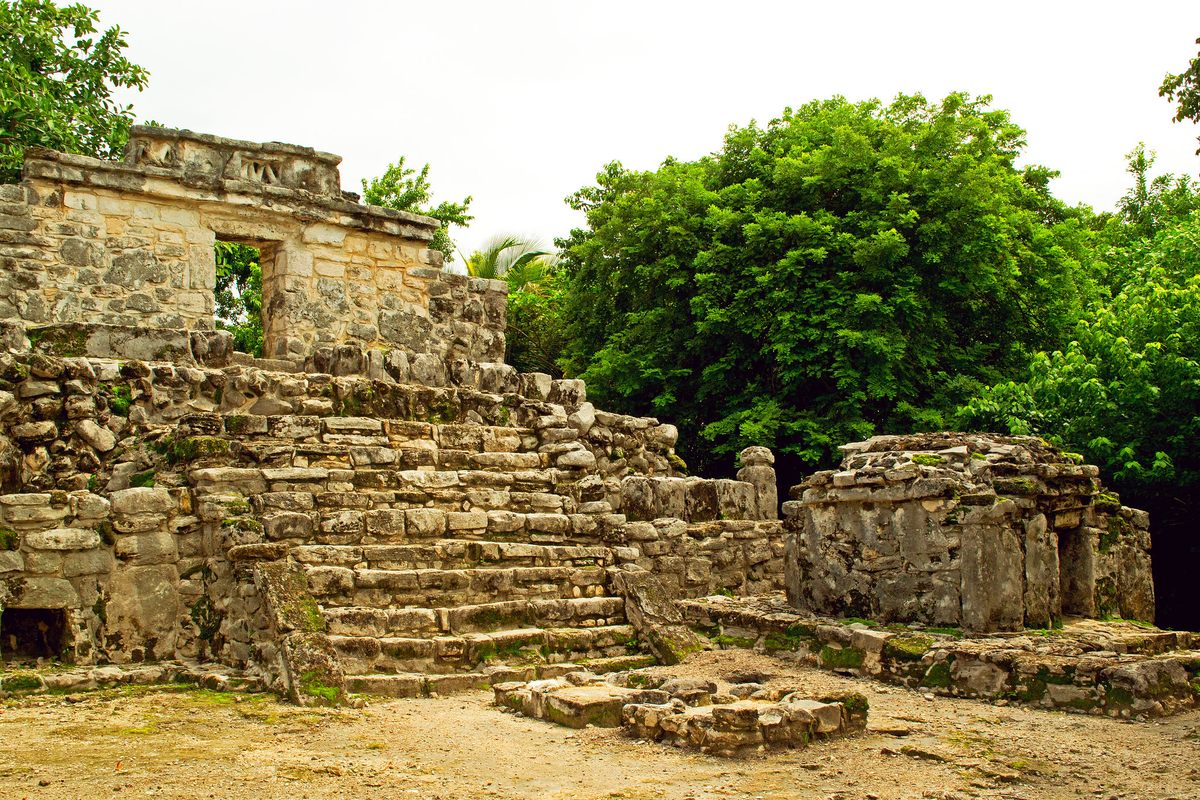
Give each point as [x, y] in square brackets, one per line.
[131, 244]
[978, 531]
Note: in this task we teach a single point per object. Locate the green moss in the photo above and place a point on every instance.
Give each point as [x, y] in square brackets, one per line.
[978, 457]
[841, 658]
[938, 676]
[907, 648]
[120, 398]
[20, 682]
[189, 448]
[64, 341]
[1074, 458]
[311, 685]
[236, 423]
[955, 632]
[9, 539]
[93, 482]
[677, 463]
[142, 479]
[927, 459]
[793, 639]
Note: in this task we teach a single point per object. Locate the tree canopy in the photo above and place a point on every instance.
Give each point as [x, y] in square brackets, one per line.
[849, 268]
[403, 189]
[58, 75]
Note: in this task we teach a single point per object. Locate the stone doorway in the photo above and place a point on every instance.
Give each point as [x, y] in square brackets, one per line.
[243, 267]
[27, 634]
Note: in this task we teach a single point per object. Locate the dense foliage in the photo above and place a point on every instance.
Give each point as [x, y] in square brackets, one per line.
[851, 268]
[57, 78]
[403, 189]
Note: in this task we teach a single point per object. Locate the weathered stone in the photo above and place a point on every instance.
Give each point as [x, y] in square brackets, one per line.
[63, 539]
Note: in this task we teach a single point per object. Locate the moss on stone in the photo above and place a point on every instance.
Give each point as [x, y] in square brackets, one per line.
[927, 459]
[120, 398]
[726, 642]
[21, 681]
[311, 685]
[64, 341]
[907, 647]
[142, 479]
[841, 657]
[9, 539]
[938, 676]
[189, 448]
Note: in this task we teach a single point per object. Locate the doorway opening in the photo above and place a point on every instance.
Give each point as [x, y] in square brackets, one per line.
[238, 293]
[27, 634]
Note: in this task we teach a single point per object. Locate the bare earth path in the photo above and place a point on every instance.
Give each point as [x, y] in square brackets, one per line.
[193, 744]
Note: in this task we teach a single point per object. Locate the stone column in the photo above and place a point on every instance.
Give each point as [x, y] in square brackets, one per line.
[757, 469]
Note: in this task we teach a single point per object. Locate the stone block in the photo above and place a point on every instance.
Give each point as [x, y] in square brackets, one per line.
[63, 539]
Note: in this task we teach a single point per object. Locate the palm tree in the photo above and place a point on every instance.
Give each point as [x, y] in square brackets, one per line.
[519, 261]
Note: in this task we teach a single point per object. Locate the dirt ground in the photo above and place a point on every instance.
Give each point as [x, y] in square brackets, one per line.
[196, 744]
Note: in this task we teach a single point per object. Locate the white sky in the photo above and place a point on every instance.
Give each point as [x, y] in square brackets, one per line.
[519, 103]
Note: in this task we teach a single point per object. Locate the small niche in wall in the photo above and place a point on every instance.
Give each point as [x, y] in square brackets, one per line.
[27, 634]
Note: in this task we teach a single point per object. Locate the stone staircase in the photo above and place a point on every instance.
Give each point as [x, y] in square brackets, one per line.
[402, 538]
[442, 556]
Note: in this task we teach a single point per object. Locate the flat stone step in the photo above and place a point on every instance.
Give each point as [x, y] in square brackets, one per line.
[352, 524]
[477, 618]
[439, 588]
[453, 554]
[516, 647]
[418, 684]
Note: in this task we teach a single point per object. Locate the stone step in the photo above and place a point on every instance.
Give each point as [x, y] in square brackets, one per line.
[440, 588]
[364, 431]
[575, 612]
[453, 554]
[516, 647]
[396, 526]
[376, 451]
[417, 684]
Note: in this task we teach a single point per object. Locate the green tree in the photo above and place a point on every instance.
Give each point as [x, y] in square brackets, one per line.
[238, 296]
[1184, 90]
[57, 79]
[403, 189]
[851, 268]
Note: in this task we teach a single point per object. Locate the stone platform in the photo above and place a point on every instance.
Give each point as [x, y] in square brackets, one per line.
[1112, 667]
[737, 721]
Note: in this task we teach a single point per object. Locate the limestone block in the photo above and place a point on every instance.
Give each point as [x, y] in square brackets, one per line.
[42, 593]
[11, 561]
[90, 562]
[142, 500]
[423, 522]
[143, 607]
[157, 547]
[63, 539]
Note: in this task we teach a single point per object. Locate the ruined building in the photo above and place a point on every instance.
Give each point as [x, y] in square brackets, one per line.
[382, 504]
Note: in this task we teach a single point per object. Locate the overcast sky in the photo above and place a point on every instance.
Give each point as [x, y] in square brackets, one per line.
[520, 103]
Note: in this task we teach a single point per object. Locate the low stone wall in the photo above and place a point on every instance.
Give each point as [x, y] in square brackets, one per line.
[734, 556]
[1113, 668]
[980, 531]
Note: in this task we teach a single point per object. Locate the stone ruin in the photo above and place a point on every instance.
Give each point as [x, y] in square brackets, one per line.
[382, 505]
[982, 532]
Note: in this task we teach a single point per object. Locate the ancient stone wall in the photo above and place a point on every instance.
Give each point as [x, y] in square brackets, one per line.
[131, 244]
[983, 532]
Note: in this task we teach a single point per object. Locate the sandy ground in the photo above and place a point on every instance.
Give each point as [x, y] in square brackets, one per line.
[196, 744]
